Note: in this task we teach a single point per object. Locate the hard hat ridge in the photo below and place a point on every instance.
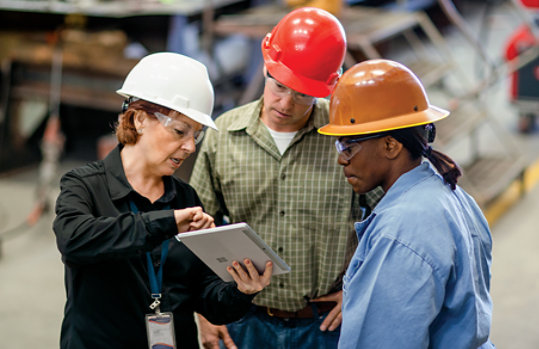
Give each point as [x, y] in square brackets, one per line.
[174, 81]
[305, 51]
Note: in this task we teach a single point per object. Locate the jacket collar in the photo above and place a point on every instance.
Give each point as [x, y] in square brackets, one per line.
[118, 184]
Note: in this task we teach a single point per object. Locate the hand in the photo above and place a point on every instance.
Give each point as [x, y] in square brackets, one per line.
[334, 317]
[210, 334]
[201, 220]
[250, 281]
[192, 218]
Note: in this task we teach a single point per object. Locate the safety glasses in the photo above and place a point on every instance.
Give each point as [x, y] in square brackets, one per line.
[181, 130]
[282, 91]
[349, 147]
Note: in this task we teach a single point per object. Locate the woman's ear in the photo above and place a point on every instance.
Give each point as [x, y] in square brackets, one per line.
[392, 147]
[139, 119]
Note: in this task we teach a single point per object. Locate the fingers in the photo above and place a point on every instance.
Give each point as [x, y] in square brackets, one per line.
[247, 278]
[334, 317]
[201, 220]
[192, 218]
[266, 276]
[184, 217]
[227, 340]
[210, 334]
[332, 320]
[237, 272]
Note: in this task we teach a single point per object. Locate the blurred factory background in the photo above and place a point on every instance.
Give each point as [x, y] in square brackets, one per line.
[62, 61]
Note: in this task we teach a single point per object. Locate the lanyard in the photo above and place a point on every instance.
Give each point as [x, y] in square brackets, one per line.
[156, 280]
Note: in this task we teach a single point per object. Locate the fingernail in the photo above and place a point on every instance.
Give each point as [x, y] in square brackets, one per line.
[247, 261]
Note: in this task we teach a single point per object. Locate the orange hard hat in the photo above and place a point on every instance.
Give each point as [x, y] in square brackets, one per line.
[305, 51]
[376, 96]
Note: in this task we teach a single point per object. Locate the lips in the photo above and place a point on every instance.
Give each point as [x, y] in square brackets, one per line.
[281, 114]
[347, 175]
[176, 162]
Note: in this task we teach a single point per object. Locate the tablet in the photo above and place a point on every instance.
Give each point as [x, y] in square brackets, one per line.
[219, 247]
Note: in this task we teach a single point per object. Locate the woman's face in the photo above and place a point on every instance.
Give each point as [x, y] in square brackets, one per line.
[167, 140]
[365, 170]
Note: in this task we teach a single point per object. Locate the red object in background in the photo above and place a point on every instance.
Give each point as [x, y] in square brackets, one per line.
[530, 3]
[521, 40]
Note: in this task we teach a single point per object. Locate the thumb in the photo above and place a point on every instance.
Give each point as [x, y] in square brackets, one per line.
[228, 342]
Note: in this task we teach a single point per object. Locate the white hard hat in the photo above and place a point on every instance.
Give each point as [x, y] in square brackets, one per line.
[174, 81]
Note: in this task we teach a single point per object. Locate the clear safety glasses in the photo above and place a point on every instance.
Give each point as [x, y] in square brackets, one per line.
[349, 147]
[181, 130]
[282, 91]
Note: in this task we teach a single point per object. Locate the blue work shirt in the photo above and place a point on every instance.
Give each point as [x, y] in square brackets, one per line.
[420, 276]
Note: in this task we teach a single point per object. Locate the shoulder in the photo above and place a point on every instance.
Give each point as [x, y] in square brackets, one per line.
[87, 171]
[421, 223]
[321, 113]
[323, 103]
[239, 116]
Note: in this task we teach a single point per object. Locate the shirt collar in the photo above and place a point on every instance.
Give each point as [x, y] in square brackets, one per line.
[406, 182]
[250, 124]
[118, 185]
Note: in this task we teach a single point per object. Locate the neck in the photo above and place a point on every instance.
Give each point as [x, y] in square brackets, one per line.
[287, 127]
[400, 167]
[139, 174]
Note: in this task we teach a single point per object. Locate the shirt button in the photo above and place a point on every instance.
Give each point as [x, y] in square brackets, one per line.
[280, 250]
[281, 213]
[283, 176]
[281, 285]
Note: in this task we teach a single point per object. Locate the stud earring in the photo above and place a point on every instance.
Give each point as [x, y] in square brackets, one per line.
[140, 131]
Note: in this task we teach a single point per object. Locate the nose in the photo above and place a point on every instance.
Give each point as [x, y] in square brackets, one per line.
[189, 146]
[341, 160]
[287, 100]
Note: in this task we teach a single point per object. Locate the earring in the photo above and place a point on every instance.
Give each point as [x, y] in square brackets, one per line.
[140, 131]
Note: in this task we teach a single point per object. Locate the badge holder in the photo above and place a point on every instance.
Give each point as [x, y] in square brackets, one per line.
[160, 327]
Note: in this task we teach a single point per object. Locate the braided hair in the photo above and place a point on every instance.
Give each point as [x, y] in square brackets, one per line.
[416, 140]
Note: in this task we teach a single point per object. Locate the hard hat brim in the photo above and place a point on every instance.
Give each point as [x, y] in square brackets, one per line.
[432, 114]
[300, 84]
[193, 114]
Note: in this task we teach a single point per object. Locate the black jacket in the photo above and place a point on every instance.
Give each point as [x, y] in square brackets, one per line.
[103, 247]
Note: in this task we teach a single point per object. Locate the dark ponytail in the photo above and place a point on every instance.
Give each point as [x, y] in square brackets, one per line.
[417, 139]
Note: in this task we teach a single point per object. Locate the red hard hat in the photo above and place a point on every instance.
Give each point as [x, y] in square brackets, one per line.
[305, 51]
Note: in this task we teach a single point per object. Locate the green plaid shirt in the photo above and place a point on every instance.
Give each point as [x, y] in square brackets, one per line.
[300, 202]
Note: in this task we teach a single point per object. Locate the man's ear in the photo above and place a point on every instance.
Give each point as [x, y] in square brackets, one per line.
[392, 147]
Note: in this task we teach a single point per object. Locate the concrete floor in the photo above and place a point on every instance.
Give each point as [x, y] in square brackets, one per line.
[31, 272]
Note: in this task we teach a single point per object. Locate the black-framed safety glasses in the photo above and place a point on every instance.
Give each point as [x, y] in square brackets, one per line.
[349, 147]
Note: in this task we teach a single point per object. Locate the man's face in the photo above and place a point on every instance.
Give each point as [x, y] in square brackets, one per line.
[285, 110]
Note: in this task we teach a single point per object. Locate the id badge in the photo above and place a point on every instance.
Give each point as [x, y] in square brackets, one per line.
[160, 329]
